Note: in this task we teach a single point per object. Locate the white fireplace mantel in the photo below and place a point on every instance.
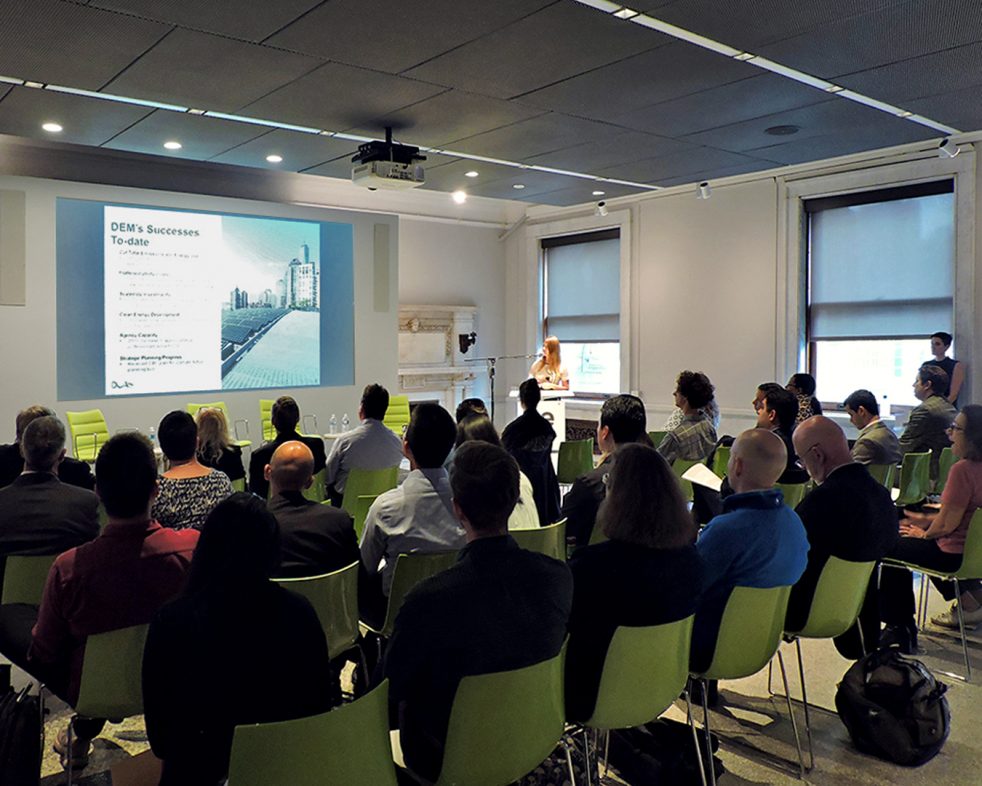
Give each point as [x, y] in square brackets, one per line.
[431, 365]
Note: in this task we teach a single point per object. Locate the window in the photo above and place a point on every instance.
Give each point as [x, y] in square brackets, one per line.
[581, 306]
[880, 281]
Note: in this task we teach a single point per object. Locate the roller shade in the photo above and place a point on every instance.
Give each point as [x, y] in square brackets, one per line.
[582, 290]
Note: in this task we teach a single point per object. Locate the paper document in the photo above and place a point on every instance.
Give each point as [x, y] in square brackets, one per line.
[702, 475]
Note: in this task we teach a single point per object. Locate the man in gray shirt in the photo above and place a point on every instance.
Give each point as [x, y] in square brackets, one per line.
[876, 443]
[416, 516]
[370, 445]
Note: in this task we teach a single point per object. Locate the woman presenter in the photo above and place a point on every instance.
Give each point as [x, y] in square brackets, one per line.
[548, 370]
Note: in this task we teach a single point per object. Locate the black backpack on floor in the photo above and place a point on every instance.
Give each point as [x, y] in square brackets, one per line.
[20, 738]
[894, 708]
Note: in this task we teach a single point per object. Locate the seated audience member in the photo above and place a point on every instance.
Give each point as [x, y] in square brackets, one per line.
[876, 443]
[370, 445]
[955, 369]
[849, 515]
[118, 580]
[776, 410]
[480, 429]
[70, 470]
[928, 422]
[802, 387]
[757, 541]
[622, 421]
[647, 573]
[499, 608]
[468, 407]
[215, 446]
[188, 490]
[938, 541]
[314, 538]
[529, 439]
[285, 416]
[416, 516]
[695, 436]
[216, 657]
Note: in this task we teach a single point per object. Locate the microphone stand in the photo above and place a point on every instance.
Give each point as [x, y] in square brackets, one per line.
[492, 363]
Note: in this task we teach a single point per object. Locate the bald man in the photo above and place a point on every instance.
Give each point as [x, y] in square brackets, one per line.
[757, 541]
[314, 538]
[849, 516]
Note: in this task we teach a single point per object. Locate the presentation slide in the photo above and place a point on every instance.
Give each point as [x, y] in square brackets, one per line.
[198, 301]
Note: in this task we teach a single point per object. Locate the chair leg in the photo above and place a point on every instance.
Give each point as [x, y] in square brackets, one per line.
[71, 738]
[961, 631]
[705, 728]
[794, 722]
[921, 618]
[695, 737]
[770, 675]
[569, 760]
[586, 755]
[804, 701]
[862, 638]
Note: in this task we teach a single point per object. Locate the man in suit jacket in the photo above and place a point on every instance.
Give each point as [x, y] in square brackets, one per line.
[314, 538]
[69, 470]
[285, 417]
[876, 443]
[927, 424]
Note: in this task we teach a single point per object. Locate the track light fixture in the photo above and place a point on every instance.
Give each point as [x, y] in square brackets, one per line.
[601, 209]
[704, 191]
[948, 148]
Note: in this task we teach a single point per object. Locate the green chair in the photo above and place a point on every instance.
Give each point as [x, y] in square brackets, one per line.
[835, 607]
[793, 493]
[365, 482]
[334, 597]
[362, 506]
[945, 462]
[882, 473]
[266, 419]
[24, 578]
[575, 459]
[680, 467]
[410, 570]
[239, 484]
[234, 424]
[89, 432]
[503, 725]
[721, 459]
[111, 686]
[656, 437]
[396, 416]
[749, 636]
[971, 568]
[915, 478]
[348, 746]
[317, 492]
[550, 540]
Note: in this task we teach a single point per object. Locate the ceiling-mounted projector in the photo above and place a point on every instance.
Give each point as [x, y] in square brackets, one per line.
[387, 165]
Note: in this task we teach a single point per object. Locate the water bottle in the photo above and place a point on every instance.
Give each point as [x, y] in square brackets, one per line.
[345, 422]
[153, 437]
[885, 408]
[333, 426]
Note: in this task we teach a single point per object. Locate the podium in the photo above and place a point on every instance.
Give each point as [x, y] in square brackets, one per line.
[553, 408]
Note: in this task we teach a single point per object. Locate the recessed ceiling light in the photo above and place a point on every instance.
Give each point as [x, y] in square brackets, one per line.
[599, 193]
[472, 173]
[519, 186]
[781, 130]
[172, 145]
[459, 197]
[274, 159]
[52, 128]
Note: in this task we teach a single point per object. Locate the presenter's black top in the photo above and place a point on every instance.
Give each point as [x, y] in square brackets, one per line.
[261, 456]
[70, 470]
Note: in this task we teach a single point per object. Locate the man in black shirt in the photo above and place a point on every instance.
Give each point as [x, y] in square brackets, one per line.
[70, 470]
[285, 416]
[529, 439]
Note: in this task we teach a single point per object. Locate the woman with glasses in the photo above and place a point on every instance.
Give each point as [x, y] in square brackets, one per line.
[937, 541]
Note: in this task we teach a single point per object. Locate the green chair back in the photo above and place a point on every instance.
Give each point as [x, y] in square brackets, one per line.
[656, 437]
[24, 578]
[838, 598]
[644, 672]
[220, 405]
[915, 478]
[793, 493]
[348, 745]
[318, 489]
[550, 540]
[111, 672]
[882, 473]
[334, 597]
[945, 462]
[89, 432]
[397, 415]
[721, 459]
[503, 725]
[575, 459]
[679, 467]
[410, 570]
[239, 484]
[362, 506]
[365, 482]
[971, 567]
[749, 633]
[266, 419]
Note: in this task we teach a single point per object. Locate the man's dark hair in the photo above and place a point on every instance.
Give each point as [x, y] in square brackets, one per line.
[862, 398]
[178, 434]
[936, 377]
[430, 435]
[696, 388]
[25, 416]
[126, 474]
[946, 338]
[624, 416]
[42, 443]
[805, 383]
[374, 401]
[285, 415]
[477, 428]
[784, 403]
[529, 394]
[468, 407]
[484, 482]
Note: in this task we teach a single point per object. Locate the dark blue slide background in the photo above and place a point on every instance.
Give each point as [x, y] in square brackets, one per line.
[80, 306]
